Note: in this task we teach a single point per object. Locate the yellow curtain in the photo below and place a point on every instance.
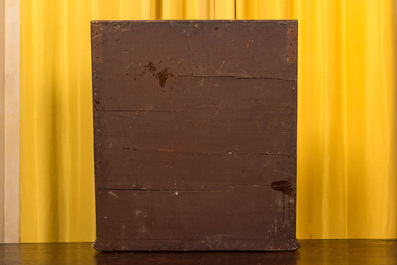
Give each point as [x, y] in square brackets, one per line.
[346, 114]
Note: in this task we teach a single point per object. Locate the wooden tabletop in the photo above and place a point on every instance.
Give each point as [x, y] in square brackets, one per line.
[363, 252]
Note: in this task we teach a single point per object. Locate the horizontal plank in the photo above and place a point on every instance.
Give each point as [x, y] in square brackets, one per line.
[213, 98]
[273, 134]
[128, 168]
[213, 220]
[207, 48]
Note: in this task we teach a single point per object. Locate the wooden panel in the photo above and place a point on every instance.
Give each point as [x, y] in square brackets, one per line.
[244, 49]
[234, 152]
[241, 218]
[195, 134]
[137, 169]
[202, 94]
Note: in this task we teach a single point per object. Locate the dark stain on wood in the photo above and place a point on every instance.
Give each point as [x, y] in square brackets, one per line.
[151, 67]
[283, 186]
[195, 134]
[162, 76]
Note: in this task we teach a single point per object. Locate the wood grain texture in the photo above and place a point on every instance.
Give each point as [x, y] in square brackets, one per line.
[239, 218]
[195, 134]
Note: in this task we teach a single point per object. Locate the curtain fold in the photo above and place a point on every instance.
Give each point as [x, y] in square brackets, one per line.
[346, 111]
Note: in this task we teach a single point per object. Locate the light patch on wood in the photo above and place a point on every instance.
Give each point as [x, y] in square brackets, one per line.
[143, 230]
[113, 194]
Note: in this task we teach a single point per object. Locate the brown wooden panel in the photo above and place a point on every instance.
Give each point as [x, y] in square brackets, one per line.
[212, 97]
[158, 170]
[245, 49]
[250, 218]
[195, 134]
[157, 131]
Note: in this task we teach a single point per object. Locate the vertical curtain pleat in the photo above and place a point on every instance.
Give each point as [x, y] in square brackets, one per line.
[371, 71]
[322, 115]
[346, 119]
[56, 187]
[224, 9]
[346, 111]
[174, 9]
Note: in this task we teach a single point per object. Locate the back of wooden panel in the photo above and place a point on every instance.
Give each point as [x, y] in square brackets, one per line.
[195, 134]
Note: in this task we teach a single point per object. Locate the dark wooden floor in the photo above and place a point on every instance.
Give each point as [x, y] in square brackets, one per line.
[362, 252]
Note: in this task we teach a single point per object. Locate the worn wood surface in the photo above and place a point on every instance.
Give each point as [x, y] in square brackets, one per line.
[195, 134]
[312, 252]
